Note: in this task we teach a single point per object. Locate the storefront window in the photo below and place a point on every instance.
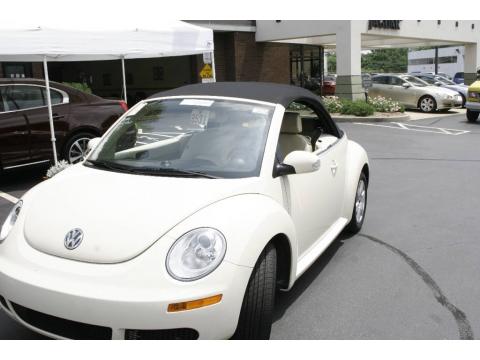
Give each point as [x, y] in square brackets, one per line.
[306, 64]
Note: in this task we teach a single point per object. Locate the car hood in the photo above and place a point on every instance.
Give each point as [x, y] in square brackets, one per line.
[475, 86]
[120, 215]
[458, 88]
[440, 91]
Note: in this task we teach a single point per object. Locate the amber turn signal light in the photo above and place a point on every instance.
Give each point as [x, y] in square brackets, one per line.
[194, 304]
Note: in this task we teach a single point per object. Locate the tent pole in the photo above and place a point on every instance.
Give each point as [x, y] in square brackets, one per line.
[213, 67]
[49, 104]
[124, 80]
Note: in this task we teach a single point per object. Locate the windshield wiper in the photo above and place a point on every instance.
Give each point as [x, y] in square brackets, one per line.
[175, 172]
[110, 166]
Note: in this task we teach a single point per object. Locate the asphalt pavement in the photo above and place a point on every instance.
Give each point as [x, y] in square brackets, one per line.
[412, 272]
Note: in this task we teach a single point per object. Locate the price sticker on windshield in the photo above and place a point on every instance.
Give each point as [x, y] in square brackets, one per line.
[200, 117]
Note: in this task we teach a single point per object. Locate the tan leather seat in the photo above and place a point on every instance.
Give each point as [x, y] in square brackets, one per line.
[290, 135]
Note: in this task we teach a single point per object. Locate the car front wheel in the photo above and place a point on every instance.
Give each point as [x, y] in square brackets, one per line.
[255, 320]
[427, 104]
[76, 147]
[359, 207]
[472, 116]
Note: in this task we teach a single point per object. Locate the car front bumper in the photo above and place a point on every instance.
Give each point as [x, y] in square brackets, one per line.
[451, 103]
[47, 294]
[474, 106]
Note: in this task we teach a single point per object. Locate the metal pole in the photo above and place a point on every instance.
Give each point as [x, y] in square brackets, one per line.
[124, 80]
[436, 60]
[213, 68]
[49, 104]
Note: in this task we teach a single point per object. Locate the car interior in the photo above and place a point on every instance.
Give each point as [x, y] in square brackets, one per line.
[303, 130]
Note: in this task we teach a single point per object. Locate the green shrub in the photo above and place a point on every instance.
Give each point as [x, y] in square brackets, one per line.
[332, 103]
[382, 104]
[357, 108]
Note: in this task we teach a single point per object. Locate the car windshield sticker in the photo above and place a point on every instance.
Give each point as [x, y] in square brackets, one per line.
[197, 102]
[200, 117]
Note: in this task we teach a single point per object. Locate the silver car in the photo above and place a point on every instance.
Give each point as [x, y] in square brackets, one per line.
[441, 81]
[414, 93]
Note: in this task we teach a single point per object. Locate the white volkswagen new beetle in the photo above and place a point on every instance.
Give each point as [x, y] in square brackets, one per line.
[185, 218]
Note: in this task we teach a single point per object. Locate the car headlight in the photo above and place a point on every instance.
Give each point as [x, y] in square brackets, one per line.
[196, 254]
[10, 221]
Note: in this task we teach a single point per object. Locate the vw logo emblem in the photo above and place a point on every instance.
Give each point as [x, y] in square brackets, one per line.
[73, 239]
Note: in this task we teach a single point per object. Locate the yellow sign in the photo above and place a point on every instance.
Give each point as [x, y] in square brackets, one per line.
[206, 72]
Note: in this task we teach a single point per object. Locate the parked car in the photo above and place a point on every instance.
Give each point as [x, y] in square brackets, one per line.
[458, 78]
[25, 137]
[191, 211]
[414, 93]
[329, 85]
[441, 81]
[473, 101]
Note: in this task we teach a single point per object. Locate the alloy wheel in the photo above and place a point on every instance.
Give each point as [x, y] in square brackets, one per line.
[427, 104]
[360, 201]
[78, 150]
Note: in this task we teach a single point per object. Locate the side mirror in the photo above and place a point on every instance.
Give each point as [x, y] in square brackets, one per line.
[406, 85]
[92, 143]
[302, 161]
[438, 83]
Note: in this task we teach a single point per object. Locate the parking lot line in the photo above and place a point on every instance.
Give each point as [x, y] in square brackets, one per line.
[421, 128]
[8, 197]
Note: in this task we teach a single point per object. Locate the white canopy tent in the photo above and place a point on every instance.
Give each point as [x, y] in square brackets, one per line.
[53, 37]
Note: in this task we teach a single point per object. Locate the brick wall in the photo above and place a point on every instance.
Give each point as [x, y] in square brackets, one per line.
[261, 61]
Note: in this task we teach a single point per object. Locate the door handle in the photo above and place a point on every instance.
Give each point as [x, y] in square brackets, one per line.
[20, 132]
[56, 116]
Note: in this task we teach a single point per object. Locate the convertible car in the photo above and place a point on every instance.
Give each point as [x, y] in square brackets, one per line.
[185, 218]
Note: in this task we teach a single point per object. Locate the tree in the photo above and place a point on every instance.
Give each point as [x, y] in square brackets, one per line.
[385, 60]
[332, 63]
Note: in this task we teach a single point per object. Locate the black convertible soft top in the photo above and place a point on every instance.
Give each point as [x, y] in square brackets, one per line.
[261, 91]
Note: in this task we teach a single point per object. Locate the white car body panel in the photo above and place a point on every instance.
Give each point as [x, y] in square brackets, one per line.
[119, 271]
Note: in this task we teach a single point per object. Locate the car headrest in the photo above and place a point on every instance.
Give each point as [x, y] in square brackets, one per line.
[291, 124]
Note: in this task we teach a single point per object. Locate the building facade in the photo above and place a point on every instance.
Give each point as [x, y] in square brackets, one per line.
[281, 51]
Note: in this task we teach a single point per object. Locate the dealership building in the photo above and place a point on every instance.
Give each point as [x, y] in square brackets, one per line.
[282, 51]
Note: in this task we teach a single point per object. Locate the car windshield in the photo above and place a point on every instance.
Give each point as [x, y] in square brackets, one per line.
[191, 137]
[444, 80]
[428, 79]
[414, 80]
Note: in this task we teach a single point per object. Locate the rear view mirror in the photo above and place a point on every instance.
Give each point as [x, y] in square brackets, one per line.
[302, 161]
[406, 85]
[92, 143]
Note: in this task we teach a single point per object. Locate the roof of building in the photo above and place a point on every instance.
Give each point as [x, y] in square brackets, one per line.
[268, 92]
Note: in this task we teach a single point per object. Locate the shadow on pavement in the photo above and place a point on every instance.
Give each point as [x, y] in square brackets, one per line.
[286, 298]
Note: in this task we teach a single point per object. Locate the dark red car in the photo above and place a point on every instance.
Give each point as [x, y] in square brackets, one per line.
[24, 123]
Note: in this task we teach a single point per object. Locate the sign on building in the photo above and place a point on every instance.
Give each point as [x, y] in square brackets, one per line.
[206, 74]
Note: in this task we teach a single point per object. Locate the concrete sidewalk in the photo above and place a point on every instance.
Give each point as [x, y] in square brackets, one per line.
[415, 115]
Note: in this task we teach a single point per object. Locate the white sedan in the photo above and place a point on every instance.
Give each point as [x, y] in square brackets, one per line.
[186, 217]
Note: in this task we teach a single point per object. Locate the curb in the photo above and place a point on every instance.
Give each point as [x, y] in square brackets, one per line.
[374, 118]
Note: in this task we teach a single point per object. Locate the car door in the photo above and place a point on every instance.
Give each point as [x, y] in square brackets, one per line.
[316, 198]
[32, 100]
[14, 133]
[403, 95]
[379, 87]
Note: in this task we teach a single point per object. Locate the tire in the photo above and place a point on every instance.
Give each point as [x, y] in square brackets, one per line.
[472, 116]
[464, 100]
[359, 206]
[76, 147]
[427, 104]
[255, 321]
